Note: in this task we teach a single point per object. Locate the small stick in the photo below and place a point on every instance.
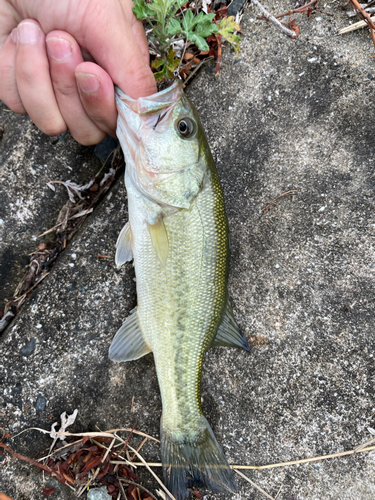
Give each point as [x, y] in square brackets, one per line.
[299, 10]
[127, 481]
[124, 460]
[219, 39]
[282, 464]
[273, 202]
[97, 469]
[152, 472]
[145, 440]
[89, 434]
[355, 26]
[122, 489]
[278, 493]
[367, 18]
[274, 21]
[32, 288]
[255, 485]
[364, 445]
[197, 67]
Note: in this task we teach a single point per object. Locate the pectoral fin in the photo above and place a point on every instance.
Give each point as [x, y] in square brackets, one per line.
[124, 252]
[159, 239]
[229, 333]
[129, 343]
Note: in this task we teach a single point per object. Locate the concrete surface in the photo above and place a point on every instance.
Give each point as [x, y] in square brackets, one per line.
[288, 114]
[28, 207]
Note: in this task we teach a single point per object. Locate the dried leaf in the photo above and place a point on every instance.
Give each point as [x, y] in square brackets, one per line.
[48, 491]
[188, 56]
[227, 26]
[294, 27]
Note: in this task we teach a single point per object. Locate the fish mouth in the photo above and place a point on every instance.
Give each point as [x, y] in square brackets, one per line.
[153, 104]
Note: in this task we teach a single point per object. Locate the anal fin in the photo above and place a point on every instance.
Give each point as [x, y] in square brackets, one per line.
[124, 252]
[129, 343]
[229, 333]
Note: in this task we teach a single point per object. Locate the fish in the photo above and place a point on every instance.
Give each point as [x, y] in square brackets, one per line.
[178, 237]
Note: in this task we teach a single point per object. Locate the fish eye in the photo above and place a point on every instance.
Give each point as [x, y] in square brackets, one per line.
[186, 127]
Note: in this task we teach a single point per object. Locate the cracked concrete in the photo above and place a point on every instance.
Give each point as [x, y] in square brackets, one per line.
[287, 115]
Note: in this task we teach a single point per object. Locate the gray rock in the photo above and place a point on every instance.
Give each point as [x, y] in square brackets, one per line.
[98, 494]
[29, 347]
[287, 115]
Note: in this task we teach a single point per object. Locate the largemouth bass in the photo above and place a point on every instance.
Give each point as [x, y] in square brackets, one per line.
[178, 236]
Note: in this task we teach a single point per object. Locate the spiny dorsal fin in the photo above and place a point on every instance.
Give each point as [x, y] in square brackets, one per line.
[229, 333]
[129, 343]
[124, 251]
[159, 239]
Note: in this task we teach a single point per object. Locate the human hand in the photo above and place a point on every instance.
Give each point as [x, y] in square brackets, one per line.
[43, 72]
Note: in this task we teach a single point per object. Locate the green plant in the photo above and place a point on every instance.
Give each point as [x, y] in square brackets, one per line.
[169, 24]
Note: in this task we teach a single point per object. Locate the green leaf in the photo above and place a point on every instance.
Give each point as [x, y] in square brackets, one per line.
[141, 10]
[199, 41]
[202, 17]
[206, 28]
[226, 27]
[168, 66]
[178, 4]
[163, 74]
[172, 62]
[188, 21]
[156, 63]
[162, 7]
[174, 27]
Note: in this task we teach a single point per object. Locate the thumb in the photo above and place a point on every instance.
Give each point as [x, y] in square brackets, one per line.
[118, 44]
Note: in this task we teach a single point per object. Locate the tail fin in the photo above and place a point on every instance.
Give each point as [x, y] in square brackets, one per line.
[199, 461]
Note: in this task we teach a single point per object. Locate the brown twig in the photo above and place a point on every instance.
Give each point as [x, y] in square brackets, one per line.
[274, 21]
[366, 17]
[268, 207]
[282, 464]
[197, 67]
[253, 484]
[219, 39]
[127, 481]
[299, 10]
[46, 469]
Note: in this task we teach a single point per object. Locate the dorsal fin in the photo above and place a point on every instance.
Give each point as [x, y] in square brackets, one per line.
[159, 239]
[124, 252]
[229, 333]
[129, 343]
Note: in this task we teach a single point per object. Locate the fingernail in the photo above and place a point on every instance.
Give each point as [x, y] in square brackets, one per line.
[87, 83]
[14, 35]
[29, 33]
[58, 48]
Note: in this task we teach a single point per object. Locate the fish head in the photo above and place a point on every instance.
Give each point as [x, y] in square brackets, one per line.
[164, 145]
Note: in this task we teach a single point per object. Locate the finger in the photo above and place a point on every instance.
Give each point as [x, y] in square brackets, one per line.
[8, 84]
[115, 48]
[141, 39]
[97, 96]
[64, 56]
[34, 81]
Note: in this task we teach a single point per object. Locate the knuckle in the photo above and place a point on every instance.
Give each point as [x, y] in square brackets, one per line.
[89, 138]
[53, 128]
[64, 88]
[14, 103]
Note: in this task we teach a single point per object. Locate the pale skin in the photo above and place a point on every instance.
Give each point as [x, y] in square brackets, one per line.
[60, 59]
